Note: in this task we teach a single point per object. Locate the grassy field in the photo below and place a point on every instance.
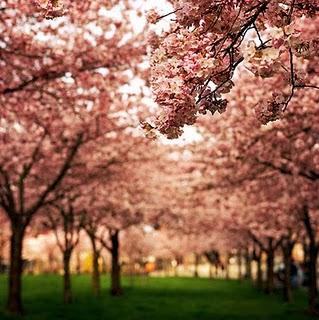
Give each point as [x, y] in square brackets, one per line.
[154, 299]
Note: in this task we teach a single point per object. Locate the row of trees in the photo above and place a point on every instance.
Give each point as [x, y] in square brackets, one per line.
[270, 172]
[258, 57]
[66, 117]
[73, 90]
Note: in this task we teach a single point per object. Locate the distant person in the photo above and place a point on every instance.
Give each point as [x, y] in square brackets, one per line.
[296, 275]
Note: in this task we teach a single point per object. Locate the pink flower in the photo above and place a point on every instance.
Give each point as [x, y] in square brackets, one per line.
[152, 16]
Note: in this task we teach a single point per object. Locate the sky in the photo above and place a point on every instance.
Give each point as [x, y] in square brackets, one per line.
[190, 132]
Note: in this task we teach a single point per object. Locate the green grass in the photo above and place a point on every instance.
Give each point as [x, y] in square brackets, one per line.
[154, 299]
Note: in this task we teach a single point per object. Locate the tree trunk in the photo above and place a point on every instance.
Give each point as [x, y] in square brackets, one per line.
[78, 263]
[240, 265]
[116, 289]
[313, 289]
[313, 256]
[14, 304]
[270, 268]
[227, 276]
[259, 278]
[287, 252]
[196, 265]
[227, 266]
[257, 256]
[210, 271]
[67, 291]
[96, 284]
[305, 248]
[216, 270]
[176, 274]
[248, 263]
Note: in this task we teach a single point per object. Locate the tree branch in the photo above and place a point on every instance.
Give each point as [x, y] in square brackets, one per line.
[56, 181]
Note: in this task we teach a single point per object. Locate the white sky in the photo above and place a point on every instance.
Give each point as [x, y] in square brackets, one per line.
[190, 132]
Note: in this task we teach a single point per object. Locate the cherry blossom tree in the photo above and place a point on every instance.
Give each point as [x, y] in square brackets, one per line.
[91, 225]
[62, 86]
[122, 206]
[246, 154]
[66, 221]
[289, 149]
[118, 195]
[194, 63]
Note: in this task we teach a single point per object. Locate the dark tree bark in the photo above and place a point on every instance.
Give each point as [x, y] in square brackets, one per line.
[116, 289]
[287, 247]
[257, 256]
[96, 283]
[176, 271]
[270, 250]
[270, 285]
[67, 290]
[20, 217]
[240, 264]
[213, 258]
[211, 271]
[313, 288]
[14, 304]
[313, 256]
[248, 263]
[305, 248]
[259, 278]
[227, 266]
[179, 260]
[197, 258]
[70, 222]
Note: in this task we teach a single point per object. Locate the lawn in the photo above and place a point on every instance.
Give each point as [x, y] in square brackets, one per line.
[154, 299]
